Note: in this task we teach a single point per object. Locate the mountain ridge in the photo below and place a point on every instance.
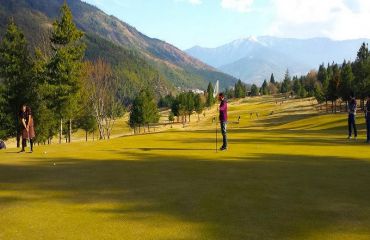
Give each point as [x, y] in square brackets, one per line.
[176, 68]
[301, 55]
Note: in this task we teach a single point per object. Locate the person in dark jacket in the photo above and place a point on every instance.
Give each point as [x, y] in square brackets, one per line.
[30, 127]
[223, 120]
[2, 145]
[352, 108]
[23, 123]
[28, 132]
[367, 116]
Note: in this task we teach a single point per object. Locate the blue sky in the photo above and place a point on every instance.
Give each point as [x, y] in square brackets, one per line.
[210, 23]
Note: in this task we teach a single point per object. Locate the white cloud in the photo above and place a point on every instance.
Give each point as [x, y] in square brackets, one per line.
[237, 5]
[336, 19]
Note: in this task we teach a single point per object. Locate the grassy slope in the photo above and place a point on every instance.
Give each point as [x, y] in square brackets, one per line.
[290, 175]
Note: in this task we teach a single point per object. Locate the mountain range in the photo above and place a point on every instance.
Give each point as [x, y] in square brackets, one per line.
[253, 59]
[138, 60]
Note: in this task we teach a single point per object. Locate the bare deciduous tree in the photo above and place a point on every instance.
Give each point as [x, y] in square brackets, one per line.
[101, 92]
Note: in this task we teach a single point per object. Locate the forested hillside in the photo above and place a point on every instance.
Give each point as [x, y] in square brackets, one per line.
[138, 59]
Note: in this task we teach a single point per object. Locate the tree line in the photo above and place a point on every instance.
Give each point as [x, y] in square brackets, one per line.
[333, 82]
[330, 83]
[346, 80]
[65, 91]
[241, 90]
[185, 104]
[327, 84]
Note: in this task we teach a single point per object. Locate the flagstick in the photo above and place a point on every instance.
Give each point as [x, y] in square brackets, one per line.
[215, 94]
[214, 120]
[216, 136]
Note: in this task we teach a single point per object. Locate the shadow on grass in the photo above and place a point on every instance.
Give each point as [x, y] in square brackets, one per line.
[275, 137]
[281, 120]
[266, 196]
[275, 121]
[4, 200]
[169, 149]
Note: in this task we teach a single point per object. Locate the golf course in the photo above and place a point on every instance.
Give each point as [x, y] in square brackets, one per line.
[289, 173]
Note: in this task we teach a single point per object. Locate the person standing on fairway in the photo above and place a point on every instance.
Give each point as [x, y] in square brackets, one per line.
[223, 120]
[24, 132]
[352, 107]
[30, 127]
[28, 132]
[367, 116]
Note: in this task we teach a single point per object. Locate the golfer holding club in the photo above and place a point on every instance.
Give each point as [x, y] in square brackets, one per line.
[223, 120]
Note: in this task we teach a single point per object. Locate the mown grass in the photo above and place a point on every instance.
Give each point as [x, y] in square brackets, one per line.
[287, 175]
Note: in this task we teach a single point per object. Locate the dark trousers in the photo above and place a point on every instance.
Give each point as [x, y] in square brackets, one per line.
[352, 125]
[368, 127]
[224, 134]
[24, 144]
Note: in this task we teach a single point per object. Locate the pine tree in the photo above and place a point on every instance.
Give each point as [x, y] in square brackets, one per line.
[323, 78]
[264, 88]
[297, 86]
[87, 122]
[136, 113]
[171, 117]
[334, 86]
[46, 123]
[286, 84]
[229, 93]
[199, 104]
[309, 82]
[361, 69]
[254, 90]
[166, 102]
[240, 90]
[272, 79]
[144, 110]
[363, 53]
[210, 97]
[175, 108]
[151, 113]
[318, 93]
[302, 92]
[44, 116]
[15, 66]
[190, 103]
[3, 116]
[183, 100]
[346, 83]
[322, 75]
[64, 68]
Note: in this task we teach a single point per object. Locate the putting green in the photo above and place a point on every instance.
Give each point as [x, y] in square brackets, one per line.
[290, 174]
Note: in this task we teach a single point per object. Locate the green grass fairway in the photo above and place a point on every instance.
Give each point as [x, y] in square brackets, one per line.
[288, 175]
